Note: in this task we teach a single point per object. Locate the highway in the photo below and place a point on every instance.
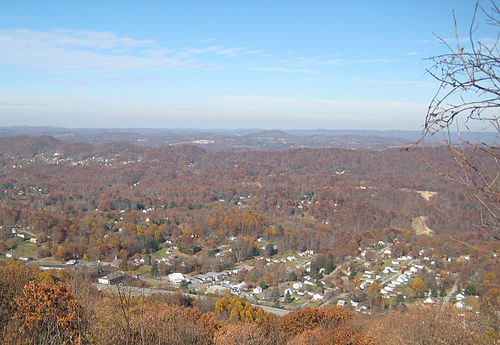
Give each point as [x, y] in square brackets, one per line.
[137, 291]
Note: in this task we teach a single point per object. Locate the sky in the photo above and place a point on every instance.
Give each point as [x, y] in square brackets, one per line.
[223, 64]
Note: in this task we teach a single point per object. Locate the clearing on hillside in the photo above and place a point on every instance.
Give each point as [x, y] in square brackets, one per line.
[418, 224]
[426, 194]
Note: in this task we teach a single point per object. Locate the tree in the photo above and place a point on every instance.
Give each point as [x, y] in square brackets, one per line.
[341, 335]
[60, 253]
[124, 264]
[373, 293]
[419, 287]
[238, 310]
[468, 101]
[428, 325]
[154, 269]
[13, 276]
[470, 290]
[240, 334]
[48, 313]
[298, 321]
[270, 250]
[184, 284]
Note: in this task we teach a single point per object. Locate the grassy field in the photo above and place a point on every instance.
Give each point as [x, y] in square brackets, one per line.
[26, 249]
[160, 253]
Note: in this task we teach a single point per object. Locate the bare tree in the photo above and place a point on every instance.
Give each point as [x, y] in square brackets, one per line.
[465, 111]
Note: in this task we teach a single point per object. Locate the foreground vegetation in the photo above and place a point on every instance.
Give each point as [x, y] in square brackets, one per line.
[39, 308]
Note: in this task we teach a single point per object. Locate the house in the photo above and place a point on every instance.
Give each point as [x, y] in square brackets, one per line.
[111, 278]
[429, 301]
[317, 297]
[176, 278]
[257, 290]
[239, 287]
[215, 290]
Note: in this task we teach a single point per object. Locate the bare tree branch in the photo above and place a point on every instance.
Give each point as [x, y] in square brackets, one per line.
[468, 99]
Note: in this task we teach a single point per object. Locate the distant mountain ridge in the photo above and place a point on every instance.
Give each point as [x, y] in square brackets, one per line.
[233, 140]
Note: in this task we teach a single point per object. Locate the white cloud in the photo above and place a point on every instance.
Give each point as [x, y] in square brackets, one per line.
[285, 70]
[408, 83]
[98, 51]
[72, 51]
[202, 50]
[374, 60]
[230, 51]
[134, 79]
[331, 62]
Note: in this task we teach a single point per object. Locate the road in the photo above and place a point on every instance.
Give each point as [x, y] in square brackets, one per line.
[395, 275]
[452, 291]
[137, 291]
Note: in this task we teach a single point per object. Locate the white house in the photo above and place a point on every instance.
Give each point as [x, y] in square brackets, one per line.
[429, 301]
[317, 297]
[176, 278]
[111, 278]
[215, 290]
[257, 290]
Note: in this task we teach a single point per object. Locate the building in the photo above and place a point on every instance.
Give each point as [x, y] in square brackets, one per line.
[257, 290]
[176, 278]
[111, 278]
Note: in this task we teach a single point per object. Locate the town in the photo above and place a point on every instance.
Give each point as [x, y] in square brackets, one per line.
[374, 281]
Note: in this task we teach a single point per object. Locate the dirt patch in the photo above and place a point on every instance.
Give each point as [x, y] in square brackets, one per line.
[426, 194]
[419, 226]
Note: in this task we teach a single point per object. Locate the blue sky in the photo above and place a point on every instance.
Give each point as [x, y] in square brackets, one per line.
[222, 64]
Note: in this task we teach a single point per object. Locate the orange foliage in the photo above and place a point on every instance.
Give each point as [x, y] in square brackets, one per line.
[428, 325]
[238, 310]
[46, 310]
[240, 334]
[299, 321]
[338, 336]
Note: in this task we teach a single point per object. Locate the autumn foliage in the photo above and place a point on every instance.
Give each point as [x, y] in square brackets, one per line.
[48, 313]
[308, 319]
